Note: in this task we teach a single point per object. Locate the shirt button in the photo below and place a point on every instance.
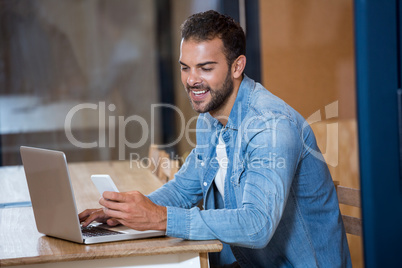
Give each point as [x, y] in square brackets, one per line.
[202, 164]
[205, 184]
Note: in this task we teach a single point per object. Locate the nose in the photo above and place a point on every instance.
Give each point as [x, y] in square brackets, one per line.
[193, 79]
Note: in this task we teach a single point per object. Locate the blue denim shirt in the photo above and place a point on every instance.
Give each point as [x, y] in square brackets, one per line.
[280, 207]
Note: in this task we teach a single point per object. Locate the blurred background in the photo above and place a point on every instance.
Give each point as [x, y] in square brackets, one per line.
[85, 76]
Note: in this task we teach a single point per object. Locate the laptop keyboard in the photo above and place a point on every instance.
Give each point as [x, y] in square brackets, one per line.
[93, 231]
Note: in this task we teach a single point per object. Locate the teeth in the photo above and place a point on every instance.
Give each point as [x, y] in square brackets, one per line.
[199, 92]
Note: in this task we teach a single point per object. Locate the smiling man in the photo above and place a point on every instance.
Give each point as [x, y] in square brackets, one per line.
[211, 83]
[266, 196]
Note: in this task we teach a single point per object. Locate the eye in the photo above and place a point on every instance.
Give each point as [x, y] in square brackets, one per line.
[206, 69]
[183, 68]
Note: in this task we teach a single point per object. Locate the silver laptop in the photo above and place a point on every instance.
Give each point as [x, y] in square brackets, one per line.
[54, 205]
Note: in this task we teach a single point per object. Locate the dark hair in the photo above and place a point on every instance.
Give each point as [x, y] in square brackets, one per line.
[210, 24]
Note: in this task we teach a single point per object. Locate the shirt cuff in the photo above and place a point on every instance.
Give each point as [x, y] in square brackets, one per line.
[178, 222]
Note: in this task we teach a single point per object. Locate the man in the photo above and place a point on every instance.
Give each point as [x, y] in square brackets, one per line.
[267, 192]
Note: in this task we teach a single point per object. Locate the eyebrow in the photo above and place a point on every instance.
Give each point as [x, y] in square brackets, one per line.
[200, 64]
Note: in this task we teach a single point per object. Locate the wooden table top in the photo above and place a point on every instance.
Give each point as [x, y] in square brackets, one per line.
[21, 243]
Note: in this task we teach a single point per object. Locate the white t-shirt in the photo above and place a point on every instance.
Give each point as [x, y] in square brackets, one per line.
[223, 165]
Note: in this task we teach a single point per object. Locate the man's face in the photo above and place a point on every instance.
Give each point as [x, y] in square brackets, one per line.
[205, 74]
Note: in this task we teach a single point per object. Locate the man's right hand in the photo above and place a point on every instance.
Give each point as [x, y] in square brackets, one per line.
[90, 215]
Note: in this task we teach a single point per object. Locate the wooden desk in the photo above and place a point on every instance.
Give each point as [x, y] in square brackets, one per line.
[21, 244]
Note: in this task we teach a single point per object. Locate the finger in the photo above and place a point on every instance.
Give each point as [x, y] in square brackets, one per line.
[82, 218]
[114, 196]
[102, 201]
[95, 215]
[109, 204]
[87, 221]
[113, 205]
[84, 214]
[113, 213]
[112, 222]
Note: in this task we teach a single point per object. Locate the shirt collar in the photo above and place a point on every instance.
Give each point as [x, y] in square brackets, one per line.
[240, 107]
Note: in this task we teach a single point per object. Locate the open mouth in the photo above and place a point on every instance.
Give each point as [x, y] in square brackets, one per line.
[199, 94]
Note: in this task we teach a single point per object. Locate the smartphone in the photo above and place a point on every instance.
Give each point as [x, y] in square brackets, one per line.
[104, 183]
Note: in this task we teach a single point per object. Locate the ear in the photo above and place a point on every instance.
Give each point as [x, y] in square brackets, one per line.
[238, 66]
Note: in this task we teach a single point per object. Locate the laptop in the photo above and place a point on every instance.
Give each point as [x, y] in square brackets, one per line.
[54, 205]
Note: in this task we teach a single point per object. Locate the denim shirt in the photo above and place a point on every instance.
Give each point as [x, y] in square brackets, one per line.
[279, 207]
